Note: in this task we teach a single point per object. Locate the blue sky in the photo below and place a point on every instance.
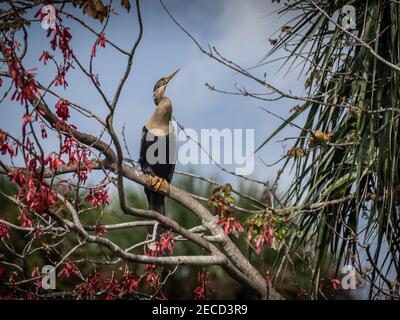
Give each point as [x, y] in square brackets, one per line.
[238, 29]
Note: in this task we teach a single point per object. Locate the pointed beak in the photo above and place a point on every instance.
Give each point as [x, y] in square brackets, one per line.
[167, 79]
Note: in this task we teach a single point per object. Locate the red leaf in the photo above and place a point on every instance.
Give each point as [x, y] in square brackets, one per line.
[68, 270]
[4, 232]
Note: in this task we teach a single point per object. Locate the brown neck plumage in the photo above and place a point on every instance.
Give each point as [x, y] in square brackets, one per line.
[159, 123]
[158, 94]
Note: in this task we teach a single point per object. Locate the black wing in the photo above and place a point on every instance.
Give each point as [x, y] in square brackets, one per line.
[166, 167]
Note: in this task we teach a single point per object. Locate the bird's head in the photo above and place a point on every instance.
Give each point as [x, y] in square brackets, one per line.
[159, 87]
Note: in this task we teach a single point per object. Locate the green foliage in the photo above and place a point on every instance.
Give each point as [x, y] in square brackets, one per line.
[358, 164]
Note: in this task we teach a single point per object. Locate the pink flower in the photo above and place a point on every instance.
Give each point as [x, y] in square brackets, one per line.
[7, 148]
[53, 161]
[17, 176]
[98, 197]
[335, 284]
[26, 221]
[101, 41]
[132, 282]
[200, 292]
[230, 225]
[45, 57]
[36, 273]
[68, 270]
[100, 230]
[62, 109]
[4, 232]
[60, 79]
[267, 239]
[166, 242]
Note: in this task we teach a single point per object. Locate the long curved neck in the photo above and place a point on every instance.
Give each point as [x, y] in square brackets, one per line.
[158, 94]
[160, 120]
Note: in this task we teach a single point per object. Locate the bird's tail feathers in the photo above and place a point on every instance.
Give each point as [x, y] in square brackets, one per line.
[156, 203]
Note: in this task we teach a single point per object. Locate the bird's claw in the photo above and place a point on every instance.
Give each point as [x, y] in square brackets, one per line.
[159, 184]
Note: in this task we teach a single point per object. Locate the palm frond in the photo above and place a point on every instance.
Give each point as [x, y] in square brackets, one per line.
[359, 164]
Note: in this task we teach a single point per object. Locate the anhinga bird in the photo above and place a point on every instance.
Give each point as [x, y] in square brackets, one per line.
[158, 148]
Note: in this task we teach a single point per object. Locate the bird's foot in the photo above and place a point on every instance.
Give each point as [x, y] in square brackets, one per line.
[159, 184]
